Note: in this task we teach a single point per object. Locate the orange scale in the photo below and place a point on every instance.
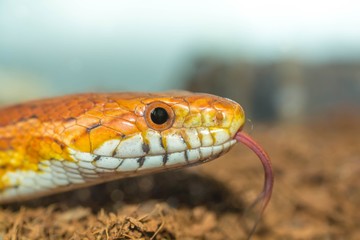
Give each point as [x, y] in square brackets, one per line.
[99, 101]
[223, 106]
[102, 134]
[32, 149]
[45, 150]
[141, 124]
[27, 112]
[77, 137]
[128, 104]
[57, 127]
[139, 110]
[111, 105]
[76, 110]
[107, 119]
[62, 126]
[95, 113]
[48, 128]
[66, 114]
[5, 144]
[57, 147]
[114, 112]
[128, 116]
[199, 103]
[87, 121]
[126, 128]
[87, 105]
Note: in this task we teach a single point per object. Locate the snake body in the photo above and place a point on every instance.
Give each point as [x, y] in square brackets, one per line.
[53, 145]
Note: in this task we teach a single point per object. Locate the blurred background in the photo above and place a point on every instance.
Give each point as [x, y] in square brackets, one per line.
[293, 66]
[281, 60]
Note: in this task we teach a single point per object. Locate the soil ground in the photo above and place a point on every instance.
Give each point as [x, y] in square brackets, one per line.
[316, 195]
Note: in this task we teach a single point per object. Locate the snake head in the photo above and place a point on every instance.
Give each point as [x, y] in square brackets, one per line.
[192, 122]
[166, 130]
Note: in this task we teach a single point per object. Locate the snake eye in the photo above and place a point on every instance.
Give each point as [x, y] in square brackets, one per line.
[159, 116]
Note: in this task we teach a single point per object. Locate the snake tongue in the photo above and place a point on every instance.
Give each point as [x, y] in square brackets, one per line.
[265, 195]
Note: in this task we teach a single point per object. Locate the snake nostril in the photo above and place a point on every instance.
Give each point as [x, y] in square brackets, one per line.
[219, 116]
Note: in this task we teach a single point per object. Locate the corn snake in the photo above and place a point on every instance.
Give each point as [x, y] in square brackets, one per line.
[57, 144]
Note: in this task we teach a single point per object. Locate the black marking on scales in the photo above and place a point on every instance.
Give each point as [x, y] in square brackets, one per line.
[186, 156]
[165, 159]
[141, 161]
[145, 147]
[97, 158]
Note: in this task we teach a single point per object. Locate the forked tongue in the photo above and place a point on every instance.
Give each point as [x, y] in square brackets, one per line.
[265, 195]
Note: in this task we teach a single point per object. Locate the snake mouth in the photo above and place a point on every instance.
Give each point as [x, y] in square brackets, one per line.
[265, 195]
[151, 163]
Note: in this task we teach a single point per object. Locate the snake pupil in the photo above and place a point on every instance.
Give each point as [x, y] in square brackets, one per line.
[159, 115]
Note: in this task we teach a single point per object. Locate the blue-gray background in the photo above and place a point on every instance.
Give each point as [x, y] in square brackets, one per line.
[280, 59]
